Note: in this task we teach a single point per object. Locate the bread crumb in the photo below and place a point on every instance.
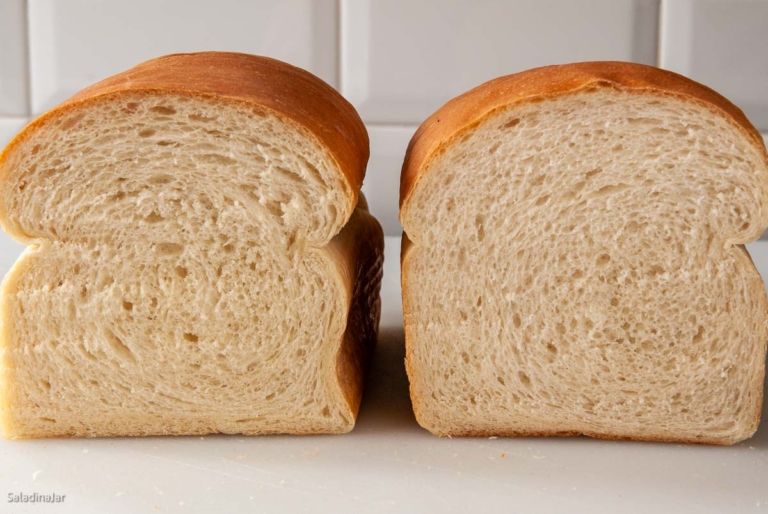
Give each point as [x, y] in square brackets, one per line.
[503, 455]
[240, 457]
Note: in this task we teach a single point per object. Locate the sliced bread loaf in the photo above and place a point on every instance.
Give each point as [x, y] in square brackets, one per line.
[199, 257]
[573, 260]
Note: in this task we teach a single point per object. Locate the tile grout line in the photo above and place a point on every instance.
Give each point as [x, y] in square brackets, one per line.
[339, 43]
[28, 60]
[659, 32]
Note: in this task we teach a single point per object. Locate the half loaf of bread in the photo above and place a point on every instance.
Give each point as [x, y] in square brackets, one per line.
[198, 259]
[574, 259]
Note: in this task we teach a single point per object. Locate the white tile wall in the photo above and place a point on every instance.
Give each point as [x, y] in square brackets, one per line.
[382, 180]
[13, 59]
[9, 127]
[723, 44]
[77, 42]
[402, 59]
[396, 60]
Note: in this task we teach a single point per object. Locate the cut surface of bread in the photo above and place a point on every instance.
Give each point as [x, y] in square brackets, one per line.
[198, 259]
[574, 264]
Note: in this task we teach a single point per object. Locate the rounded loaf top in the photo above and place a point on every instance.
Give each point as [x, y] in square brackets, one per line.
[469, 109]
[286, 90]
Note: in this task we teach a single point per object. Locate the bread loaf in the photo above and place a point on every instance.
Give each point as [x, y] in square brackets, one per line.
[199, 260]
[573, 260]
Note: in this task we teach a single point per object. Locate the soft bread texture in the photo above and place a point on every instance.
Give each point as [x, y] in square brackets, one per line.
[573, 259]
[198, 259]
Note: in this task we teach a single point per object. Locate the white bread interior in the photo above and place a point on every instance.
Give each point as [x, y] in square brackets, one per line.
[187, 273]
[576, 267]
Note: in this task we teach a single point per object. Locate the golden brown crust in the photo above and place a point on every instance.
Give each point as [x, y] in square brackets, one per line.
[406, 245]
[594, 435]
[265, 83]
[468, 110]
[362, 240]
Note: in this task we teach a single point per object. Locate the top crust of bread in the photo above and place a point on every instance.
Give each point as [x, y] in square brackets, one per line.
[470, 109]
[285, 91]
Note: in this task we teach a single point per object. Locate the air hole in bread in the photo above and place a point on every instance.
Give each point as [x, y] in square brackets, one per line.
[71, 121]
[169, 248]
[201, 119]
[479, 226]
[160, 179]
[153, 217]
[118, 347]
[603, 259]
[215, 158]
[287, 175]
[610, 189]
[147, 132]
[163, 109]
[192, 338]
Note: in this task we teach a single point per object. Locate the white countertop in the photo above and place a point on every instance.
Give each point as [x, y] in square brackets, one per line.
[387, 464]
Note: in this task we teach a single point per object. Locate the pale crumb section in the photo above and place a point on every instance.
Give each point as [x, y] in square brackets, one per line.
[577, 268]
[180, 280]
